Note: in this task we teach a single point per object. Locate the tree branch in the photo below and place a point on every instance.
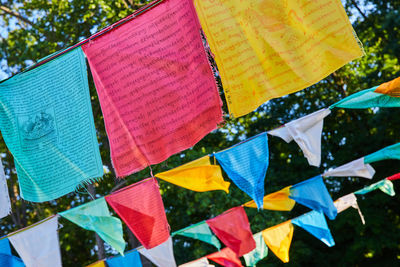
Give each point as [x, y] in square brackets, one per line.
[17, 15]
[359, 10]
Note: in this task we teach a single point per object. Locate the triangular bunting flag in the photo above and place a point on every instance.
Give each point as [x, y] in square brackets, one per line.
[313, 193]
[226, 257]
[246, 164]
[390, 152]
[203, 262]
[346, 202]
[306, 132]
[200, 231]
[315, 223]
[5, 204]
[97, 264]
[355, 168]
[10, 261]
[5, 246]
[385, 186]
[233, 229]
[394, 177]
[141, 207]
[30, 244]
[276, 201]
[259, 253]
[130, 259]
[95, 216]
[278, 239]
[162, 255]
[198, 175]
[391, 88]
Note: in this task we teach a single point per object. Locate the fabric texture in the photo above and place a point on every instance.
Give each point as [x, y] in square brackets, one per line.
[162, 255]
[38, 245]
[141, 207]
[394, 177]
[95, 216]
[10, 261]
[367, 99]
[47, 123]
[313, 193]
[259, 253]
[306, 132]
[275, 201]
[390, 152]
[5, 203]
[315, 223]
[278, 239]
[156, 88]
[226, 257]
[130, 259]
[198, 175]
[391, 88]
[257, 46]
[200, 231]
[5, 246]
[233, 229]
[246, 165]
[346, 202]
[98, 264]
[386, 186]
[202, 262]
[355, 168]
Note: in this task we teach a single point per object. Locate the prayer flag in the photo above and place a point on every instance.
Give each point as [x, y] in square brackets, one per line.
[313, 193]
[141, 207]
[95, 216]
[394, 177]
[267, 48]
[259, 253]
[130, 259]
[198, 175]
[155, 85]
[390, 152]
[367, 99]
[386, 186]
[346, 202]
[306, 132]
[315, 223]
[391, 88]
[233, 229]
[202, 232]
[275, 201]
[355, 168]
[162, 255]
[226, 257]
[38, 245]
[97, 264]
[278, 239]
[7, 260]
[202, 262]
[5, 203]
[246, 164]
[47, 123]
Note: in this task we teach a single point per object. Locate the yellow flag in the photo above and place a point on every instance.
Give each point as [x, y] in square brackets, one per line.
[269, 48]
[276, 201]
[391, 88]
[278, 238]
[198, 175]
[97, 264]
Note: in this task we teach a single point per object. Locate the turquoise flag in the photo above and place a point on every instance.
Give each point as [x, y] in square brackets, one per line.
[315, 223]
[95, 216]
[367, 99]
[385, 186]
[246, 165]
[390, 152]
[259, 253]
[200, 231]
[47, 123]
[313, 193]
[131, 259]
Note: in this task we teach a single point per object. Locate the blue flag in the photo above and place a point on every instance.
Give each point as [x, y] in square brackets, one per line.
[10, 261]
[313, 193]
[5, 246]
[131, 258]
[315, 223]
[246, 165]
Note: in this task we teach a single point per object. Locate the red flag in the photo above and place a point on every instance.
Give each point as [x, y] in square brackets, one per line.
[394, 177]
[226, 257]
[141, 207]
[233, 228]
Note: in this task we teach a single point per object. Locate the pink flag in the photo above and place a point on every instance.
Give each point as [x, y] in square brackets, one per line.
[394, 177]
[155, 85]
[226, 257]
[141, 207]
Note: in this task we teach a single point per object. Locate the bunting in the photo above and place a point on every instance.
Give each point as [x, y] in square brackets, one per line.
[200, 231]
[355, 168]
[226, 257]
[346, 202]
[131, 259]
[5, 204]
[276, 201]
[10, 261]
[202, 262]
[162, 255]
[390, 152]
[259, 253]
[386, 186]
[391, 88]
[394, 177]
[278, 239]
[5, 246]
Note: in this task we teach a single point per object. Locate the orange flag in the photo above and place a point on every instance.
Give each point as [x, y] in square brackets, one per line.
[391, 88]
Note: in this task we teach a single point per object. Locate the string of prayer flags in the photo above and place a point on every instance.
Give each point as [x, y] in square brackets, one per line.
[200, 231]
[257, 46]
[246, 165]
[391, 88]
[30, 246]
[5, 203]
[276, 201]
[259, 253]
[346, 202]
[10, 261]
[278, 239]
[306, 132]
[162, 255]
[95, 216]
[155, 85]
[386, 186]
[390, 152]
[315, 223]
[47, 123]
[313, 193]
[233, 229]
[98, 264]
[130, 259]
[141, 207]
[202, 262]
[394, 177]
[226, 257]
[355, 168]
[198, 175]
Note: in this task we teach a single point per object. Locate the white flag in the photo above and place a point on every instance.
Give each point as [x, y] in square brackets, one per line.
[5, 204]
[162, 255]
[202, 262]
[355, 168]
[346, 202]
